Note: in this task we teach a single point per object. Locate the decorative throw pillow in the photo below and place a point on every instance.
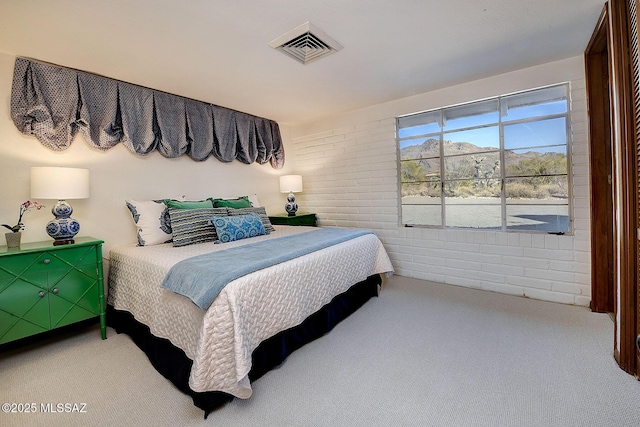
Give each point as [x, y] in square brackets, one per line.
[151, 218]
[193, 225]
[231, 228]
[253, 199]
[188, 204]
[240, 202]
[261, 212]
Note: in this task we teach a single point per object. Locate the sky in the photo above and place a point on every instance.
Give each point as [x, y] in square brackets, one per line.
[546, 135]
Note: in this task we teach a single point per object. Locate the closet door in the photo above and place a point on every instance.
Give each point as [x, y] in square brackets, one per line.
[625, 97]
[634, 42]
[624, 92]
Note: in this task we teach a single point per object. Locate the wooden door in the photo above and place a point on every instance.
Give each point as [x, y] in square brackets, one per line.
[634, 45]
[602, 243]
[615, 42]
[625, 112]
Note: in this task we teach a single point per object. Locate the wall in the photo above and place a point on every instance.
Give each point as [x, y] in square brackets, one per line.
[349, 167]
[117, 175]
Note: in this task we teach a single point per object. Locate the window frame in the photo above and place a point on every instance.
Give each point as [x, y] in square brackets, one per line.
[504, 177]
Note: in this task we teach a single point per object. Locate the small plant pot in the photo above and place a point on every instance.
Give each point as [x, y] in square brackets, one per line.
[13, 239]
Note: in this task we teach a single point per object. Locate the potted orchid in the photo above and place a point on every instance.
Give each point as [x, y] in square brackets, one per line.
[13, 238]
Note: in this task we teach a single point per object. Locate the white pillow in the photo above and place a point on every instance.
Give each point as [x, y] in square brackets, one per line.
[255, 203]
[152, 220]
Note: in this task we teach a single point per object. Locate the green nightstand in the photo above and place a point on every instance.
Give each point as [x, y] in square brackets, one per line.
[43, 287]
[308, 219]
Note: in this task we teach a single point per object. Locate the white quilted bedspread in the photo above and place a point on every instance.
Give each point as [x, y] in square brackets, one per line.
[247, 311]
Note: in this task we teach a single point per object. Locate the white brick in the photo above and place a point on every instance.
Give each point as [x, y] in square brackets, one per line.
[429, 233]
[482, 257]
[537, 240]
[468, 265]
[480, 237]
[565, 243]
[582, 257]
[581, 268]
[410, 250]
[486, 276]
[581, 203]
[562, 265]
[313, 136]
[427, 243]
[507, 270]
[569, 288]
[402, 259]
[502, 239]
[550, 275]
[583, 278]
[462, 247]
[549, 296]
[525, 240]
[345, 129]
[551, 242]
[439, 254]
[583, 301]
[367, 126]
[514, 239]
[449, 272]
[420, 268]
[467, 283]
[526, 262]
[549, 254]
[501, 250]
[434, 277]
[505, 289]
[526, 282]
[490, 238]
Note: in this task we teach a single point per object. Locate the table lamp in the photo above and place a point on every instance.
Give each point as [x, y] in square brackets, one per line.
[60, 183]
[291, 184]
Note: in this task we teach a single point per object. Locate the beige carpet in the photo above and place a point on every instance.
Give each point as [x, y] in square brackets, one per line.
[420, 354]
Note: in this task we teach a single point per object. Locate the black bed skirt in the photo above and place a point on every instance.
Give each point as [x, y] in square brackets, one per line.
[174, 364]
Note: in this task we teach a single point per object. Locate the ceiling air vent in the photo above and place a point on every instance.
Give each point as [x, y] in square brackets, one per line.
[306, 43]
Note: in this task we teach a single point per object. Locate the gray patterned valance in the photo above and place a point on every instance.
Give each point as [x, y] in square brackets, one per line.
[54, 103]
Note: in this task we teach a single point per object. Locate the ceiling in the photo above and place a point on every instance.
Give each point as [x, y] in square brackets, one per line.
[218, 50]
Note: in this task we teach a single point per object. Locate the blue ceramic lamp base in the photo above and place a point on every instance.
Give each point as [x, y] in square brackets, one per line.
[63, 228]
[291, 207]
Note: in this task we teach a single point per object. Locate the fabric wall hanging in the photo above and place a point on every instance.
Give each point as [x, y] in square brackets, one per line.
[54, 103]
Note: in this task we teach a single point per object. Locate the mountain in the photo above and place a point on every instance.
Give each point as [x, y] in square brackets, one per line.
[467, 159]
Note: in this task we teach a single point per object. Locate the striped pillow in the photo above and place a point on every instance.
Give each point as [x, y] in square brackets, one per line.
[191, 226]
[261, 212]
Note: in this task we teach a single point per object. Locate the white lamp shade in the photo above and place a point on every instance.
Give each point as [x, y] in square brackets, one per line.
[59, 183]
[290, 183]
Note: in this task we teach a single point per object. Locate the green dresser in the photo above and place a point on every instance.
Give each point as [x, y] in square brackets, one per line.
[43, 287]
[298, 219]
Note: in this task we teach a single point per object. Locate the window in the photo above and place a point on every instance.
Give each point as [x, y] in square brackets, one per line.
[500, 163]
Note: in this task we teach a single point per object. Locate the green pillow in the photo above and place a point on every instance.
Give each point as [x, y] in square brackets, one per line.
[188, 204]
[239, 203]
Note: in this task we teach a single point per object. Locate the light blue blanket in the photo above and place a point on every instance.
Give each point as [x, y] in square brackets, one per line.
[201, 278]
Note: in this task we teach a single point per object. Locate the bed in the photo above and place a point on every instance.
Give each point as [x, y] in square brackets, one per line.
[255, 321]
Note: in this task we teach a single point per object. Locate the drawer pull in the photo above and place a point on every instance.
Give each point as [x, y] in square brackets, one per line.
[56, 290]
[47, 261]
[41, 294]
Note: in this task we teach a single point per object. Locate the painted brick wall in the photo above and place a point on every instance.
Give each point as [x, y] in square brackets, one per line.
[349, 167]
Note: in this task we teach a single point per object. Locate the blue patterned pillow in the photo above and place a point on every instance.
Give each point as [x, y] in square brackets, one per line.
[231, 228]
[260, 211]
